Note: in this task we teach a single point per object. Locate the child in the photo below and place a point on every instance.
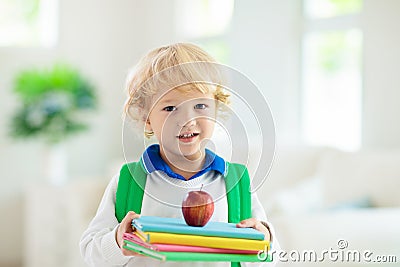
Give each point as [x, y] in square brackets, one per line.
[168, 99]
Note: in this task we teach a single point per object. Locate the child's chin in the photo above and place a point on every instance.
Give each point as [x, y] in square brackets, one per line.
[192, 155]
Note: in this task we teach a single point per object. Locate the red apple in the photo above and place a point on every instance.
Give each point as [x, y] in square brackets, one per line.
[197, 208]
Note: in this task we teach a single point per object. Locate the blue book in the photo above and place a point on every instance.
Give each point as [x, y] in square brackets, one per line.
[179, 226]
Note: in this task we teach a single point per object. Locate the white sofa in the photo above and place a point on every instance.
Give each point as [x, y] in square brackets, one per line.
[313, 196]
[318, 196]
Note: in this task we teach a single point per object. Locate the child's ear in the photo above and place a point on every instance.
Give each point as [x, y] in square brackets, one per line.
[148, 125]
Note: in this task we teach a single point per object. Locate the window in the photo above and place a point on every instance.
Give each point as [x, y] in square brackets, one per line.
[28, 22]
[331, 73]
[331, 8]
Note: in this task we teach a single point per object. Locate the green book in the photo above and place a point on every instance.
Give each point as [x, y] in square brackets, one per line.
[198, 256]
[144, 250]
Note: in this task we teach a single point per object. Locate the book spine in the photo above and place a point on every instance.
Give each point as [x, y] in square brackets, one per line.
[143, 235]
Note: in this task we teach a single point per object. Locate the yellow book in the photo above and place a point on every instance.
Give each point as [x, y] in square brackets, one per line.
[203, 241]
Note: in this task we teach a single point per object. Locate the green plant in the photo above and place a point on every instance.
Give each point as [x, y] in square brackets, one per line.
[52, 102]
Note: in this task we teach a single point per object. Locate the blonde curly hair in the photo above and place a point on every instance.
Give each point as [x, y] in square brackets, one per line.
[169, 67]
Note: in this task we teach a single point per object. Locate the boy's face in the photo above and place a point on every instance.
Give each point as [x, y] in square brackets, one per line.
[183, 120]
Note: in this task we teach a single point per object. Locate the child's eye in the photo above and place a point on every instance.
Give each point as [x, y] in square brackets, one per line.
[169, 108]
[200, 106]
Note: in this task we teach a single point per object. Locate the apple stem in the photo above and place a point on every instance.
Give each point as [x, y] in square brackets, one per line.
[201, 187]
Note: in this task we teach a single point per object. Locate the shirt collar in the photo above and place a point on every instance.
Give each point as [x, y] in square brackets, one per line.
[152, 161]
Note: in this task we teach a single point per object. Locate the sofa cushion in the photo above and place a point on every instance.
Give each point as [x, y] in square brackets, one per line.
[291, 165]
[290, 173]
[349, 177]
[302, 198]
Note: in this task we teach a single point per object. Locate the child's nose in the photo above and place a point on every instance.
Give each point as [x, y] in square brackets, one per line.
[186, 119]
[188, 122]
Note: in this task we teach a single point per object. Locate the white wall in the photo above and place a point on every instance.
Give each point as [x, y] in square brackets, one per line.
[381, 109]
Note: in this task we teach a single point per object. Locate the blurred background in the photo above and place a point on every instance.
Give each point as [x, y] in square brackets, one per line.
[328, 68]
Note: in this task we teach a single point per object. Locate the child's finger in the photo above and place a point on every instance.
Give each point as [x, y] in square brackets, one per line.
[127, 252]
[125, 227]
[252, 222]
[126, 222]
[131, 215]
[256, 224]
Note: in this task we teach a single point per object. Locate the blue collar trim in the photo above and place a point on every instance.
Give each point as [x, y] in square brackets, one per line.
[152, 161]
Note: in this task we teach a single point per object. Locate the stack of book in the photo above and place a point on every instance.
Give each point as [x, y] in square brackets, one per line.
[171, 239]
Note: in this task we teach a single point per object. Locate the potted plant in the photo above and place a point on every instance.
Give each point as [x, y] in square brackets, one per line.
[51, 105]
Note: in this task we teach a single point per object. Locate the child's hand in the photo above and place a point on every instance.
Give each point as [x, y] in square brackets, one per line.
[256, 224]
[126, 227]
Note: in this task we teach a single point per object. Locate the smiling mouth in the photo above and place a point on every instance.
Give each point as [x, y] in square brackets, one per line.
[187, 136]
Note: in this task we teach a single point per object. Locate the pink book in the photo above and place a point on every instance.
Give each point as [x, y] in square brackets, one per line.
[180, 248]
